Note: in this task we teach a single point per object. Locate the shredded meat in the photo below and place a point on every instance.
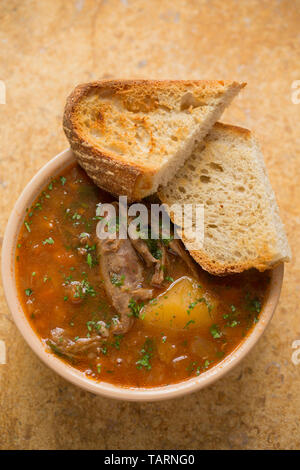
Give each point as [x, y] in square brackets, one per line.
[177, 247]
[123, 274]
[143, 250]
[159, 273]
[141, 247]
[72, 290]
[61, 344]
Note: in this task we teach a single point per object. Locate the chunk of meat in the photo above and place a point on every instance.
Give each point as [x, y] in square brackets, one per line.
[142, 294]
[72, 290]
[159, 272]
[142, 248]
[123, 275]
[61, 344]
[177, 247]
[84, 238]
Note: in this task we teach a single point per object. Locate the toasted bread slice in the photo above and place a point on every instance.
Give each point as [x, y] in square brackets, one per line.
[131, 136]
[242, 225]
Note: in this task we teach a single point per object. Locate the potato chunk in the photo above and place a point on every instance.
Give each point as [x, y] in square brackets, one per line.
[184, 305]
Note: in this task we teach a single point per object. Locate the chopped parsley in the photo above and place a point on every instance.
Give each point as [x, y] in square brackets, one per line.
[191, 367]
[254, 304]
[28, 292]
[93, 325]
[207, 363]
[84, 235]
[84, 289]
[27, 226]
[55, 349]
[117, 280]
[135, 308]
[166, 241]
[220, 354]
[103, 349]
[89, 260]
[188, 323]
[232, 317]
[233, 323]
[215, 332]
[191, 306]
[48, 241]
[197, 301]
[146, 352]
[153, 247]
[117, 341]
[76, 216]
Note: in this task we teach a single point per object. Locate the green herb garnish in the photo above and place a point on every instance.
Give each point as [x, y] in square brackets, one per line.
[188, 323]
[48, 241]
[89, 260]
[135, 308]
[215, 332]
[117, 280]
[147, 353]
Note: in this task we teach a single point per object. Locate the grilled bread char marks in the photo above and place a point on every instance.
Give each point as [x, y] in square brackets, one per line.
[132, 135]
[242, 225]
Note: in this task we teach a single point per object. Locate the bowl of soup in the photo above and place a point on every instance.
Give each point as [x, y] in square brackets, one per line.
[131, 319]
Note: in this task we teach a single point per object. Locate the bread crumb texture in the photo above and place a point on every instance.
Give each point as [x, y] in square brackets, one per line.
[242, 226]
[130, 136]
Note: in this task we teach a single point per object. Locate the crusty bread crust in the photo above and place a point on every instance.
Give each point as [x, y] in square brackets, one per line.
[263, 259]
[262, 263]
[270, 246]
[112, 170]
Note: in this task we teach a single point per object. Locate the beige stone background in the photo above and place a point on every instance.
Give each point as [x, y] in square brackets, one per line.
[49, 46]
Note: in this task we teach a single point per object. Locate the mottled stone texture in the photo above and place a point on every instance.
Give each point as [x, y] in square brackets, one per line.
[48, 47]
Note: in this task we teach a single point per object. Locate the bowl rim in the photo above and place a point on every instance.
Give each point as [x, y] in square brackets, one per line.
[28, 195]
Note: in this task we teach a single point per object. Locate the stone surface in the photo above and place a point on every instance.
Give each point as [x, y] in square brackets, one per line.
[46, 48]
